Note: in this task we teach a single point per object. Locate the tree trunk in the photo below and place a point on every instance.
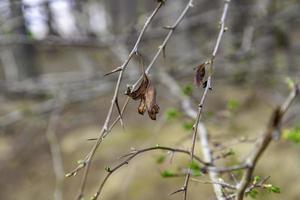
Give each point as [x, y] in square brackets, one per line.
[24, 54]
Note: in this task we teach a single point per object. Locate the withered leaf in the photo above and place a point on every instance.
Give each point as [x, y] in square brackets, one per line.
[147, 94]
[142, 106]
[199, 74]
[152, 113]
[141, 90]
[150, 98]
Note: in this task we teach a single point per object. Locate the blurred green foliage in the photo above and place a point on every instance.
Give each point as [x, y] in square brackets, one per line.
[187, 125]
[292, 134]
[232, 105]
[195, 168]
[160, 159]
[167, 174]
[172, 113]
[187, 89]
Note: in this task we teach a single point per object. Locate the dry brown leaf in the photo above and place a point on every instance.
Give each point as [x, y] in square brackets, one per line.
[142, 106]
[154, 110]
[151, 105]
[199, 74]
[147, 94]
[141, 90]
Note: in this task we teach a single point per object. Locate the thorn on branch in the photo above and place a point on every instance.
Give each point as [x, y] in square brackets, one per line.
[119, 112]
[182, 189]
[114, 71]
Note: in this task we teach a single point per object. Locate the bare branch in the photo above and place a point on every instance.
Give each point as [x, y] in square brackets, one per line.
[222, 184]
[89, 156]
[159, 51]
[54, 147]
[132, 155]
[198, 128]
[167, 38]
[264, 141]
[208, 158]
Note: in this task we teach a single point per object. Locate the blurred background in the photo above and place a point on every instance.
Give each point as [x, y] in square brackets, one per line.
[54, 95]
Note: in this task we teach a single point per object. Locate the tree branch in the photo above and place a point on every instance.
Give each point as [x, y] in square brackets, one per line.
[198, 128]
[264, 141]
[89, 156]
[132, 155]
[54, 147]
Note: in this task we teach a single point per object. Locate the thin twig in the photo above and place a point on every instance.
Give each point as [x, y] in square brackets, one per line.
[89, 157]
[264, 141]
[167, 38]
[133, 154]
[198, 127]
[54, 147]
[223, 184]
[175, 90]
[171, 29]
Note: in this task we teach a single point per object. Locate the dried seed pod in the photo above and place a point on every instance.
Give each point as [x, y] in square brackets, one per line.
[147, 94]
[154, 110]
[151, 105]
[142, 106]
[199, 74]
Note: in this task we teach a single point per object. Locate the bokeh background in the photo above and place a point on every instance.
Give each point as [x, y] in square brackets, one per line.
[53, 57]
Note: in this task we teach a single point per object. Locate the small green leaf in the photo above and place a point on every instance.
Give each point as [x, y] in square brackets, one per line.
[187, 125]
[195, 169]
[292, 134]
[232, 105]
[187, 89]
[167, 174]
[273, 189]
[172, 113]
[253, 193]
[160, 159]
[256, 179]
[194, 165]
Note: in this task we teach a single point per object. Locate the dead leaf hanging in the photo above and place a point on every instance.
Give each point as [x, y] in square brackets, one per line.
[141, 90]
[142, 106]
[146, 93]
[151, 105]
[199, 74]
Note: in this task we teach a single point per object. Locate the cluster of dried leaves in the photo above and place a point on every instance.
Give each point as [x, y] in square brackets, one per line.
[146, 93]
